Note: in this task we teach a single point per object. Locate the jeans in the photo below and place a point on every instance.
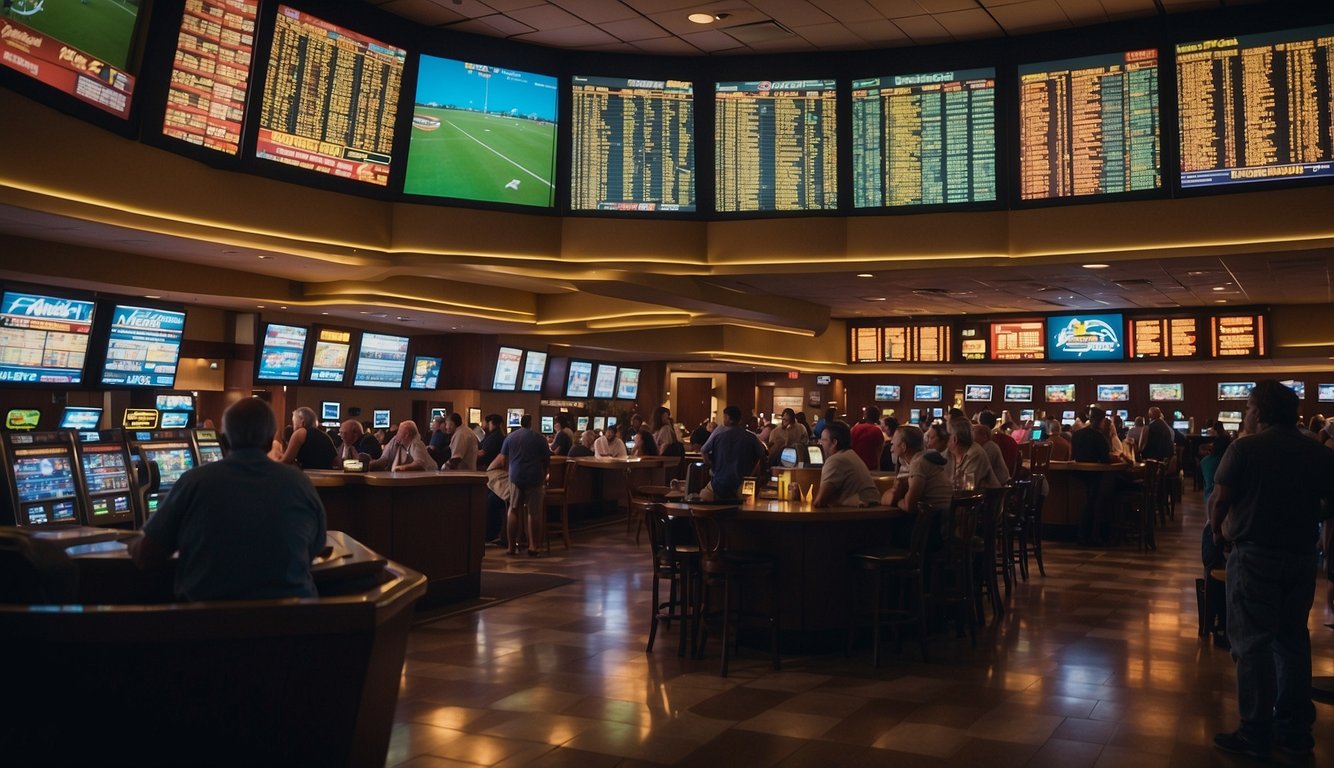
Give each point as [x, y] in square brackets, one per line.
[1269, 595]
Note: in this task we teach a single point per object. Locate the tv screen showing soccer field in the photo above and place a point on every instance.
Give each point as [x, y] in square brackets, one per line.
[775, 145]
[210, 74]
[482, 133]
[633, 144]
[81, 49]
[330, 99]
[924, 139]
[1255, 108]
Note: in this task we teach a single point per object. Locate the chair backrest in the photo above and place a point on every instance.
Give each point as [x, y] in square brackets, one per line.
[921, 530]
[708, 533]
[961, 520]
[1040, 458]
[656, 521]
[558, 473]
[1153, 475]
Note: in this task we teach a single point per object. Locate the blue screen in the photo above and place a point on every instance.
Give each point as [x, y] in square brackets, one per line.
[381, 361]
[76, 417]
[43, 339]
[143, 348]
[1086, 337]
[926, 392]
[887, 393]
[425, 372]
[283, 351]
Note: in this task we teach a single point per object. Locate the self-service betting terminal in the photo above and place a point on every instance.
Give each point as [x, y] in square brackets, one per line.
[174, 453]
[207, 445]
[40, 474]
[105, 480]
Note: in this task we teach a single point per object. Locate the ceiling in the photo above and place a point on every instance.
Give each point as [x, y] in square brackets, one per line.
[660, 27]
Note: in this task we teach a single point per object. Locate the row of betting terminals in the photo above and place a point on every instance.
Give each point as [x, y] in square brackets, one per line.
[96, 477]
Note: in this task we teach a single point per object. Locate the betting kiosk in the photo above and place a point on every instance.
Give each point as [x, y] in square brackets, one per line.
[105, 483]
[172, 450]
[39, 472]
[207, 445]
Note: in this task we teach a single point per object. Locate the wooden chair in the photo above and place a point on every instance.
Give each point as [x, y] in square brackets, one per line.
[1138, 509]
[739, 576]
[950, 582]
[557, 495]
[1039, 462]
[676, 561]
[990, 561]
[903, 568]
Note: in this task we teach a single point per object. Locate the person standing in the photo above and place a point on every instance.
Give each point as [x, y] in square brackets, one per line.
[733, 453]
[1271, 490]
[1090, 445]
[462, 445]
[1155, 441]
[868, 440]
[525, 454]
[309, 447]
[563, 440]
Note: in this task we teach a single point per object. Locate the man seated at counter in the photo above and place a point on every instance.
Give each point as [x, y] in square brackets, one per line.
[357, 445]
[585, 447]
[610, 445]
[1155, 442]
[405, 452]
[309, 447]
[439, 435]
[1008, 445]
[462, 444]
[733, 453]
[563, 440]
[1060, 444]
[969, 466]
[246, 527]
[845, 480]
[923, 477]
[982, 438]
[787, 433]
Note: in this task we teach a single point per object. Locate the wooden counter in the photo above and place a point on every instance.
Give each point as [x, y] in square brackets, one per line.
[432, 522]
[1066, 494]
[598, 486]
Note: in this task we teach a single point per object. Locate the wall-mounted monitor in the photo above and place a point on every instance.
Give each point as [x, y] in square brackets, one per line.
[1250, 106]
[1026, 415]
[381, 361]
[599, 423]
[579, 378]
[1325, 393]
[425, 372]
[210, 74]
[282, 350]
[1113, 393]
[1166, 338]
[581, 423]
[174, 402]
[977, 393]
[914, 415]
[888, 393]
[484, 133]
[330, 99]
[328, 363]
[1085, 337]
[1298, 387]
[330, 411]
[81, 50]
[775, 145]
[1067, 416]
[604, 384]
[1182, 426]
[506, 377]
[174, 420]
[1018, 393]
[627, 384]
[1089, 126]
[548, 425]
[43, 338]
[927, 393]
[534, 370]
[974, 341]
[1238, 335]
[1167, 393]
[924, 139]
[143, 347]
[1235, 390]
[81, 418]
[613, 168]
[1120, 413]
[1060, 393]
[380, 418]
[1018, 340]
[937, 413]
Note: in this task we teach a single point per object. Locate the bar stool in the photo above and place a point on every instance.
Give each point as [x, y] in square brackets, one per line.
[949, 570]
[738, 573]
[676, 561]
[989, 561]
[904, 566]
[1013, 555]
[1038, 464]
[557, 495]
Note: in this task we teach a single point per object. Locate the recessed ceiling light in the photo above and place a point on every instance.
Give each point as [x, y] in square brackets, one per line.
[1096, 266]
[879, 298]
[282, 307]
[259, 306]
[1220, 288]
[701, 18]
[262, 257]
[865, 274]
[1220, 301]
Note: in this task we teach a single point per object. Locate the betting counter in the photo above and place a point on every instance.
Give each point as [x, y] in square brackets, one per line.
[599, 485]
[1066, 494]
[432, 522]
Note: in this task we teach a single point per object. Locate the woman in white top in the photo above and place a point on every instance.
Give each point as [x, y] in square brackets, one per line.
[665, 433]
[609, 446]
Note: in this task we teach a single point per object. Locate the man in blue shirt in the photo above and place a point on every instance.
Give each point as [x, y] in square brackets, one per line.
[733, 453]
[246, 527]
[526, 455]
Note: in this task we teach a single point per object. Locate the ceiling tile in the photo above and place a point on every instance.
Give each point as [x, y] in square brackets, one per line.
[922, 29]
[712, 40]
[569, 37]
[830, 36]
[633, 29]
[544, 17]
[1083, 11]
[658, 6]
[1123, 8]
[597, 11]
[848, 10]
[881, 33]
[423, 12]
[667, 46]
[784, 45]
[945, 6]
[468, 9]
[893, 9]
[792, 13]
[964, 25]
[613, 48]
[504, 6]
[1030, 16]
[504, 25]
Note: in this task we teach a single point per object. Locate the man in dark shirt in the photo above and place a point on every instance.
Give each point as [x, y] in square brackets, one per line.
[526, 455]
[487, 451]
[246, 527]
[1271, 490]
[1090, 445]
[1155, 440]
[733, 453]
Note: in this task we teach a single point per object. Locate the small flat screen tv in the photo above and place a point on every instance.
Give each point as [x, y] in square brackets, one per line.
[579, 379]
[914, 415]
[534, 369]
[548, 425]
[281, 353]
[1018, 393]
[330, 411]
[788, 457]
[611, 421]
[1298, 387]
[937, 413]
[81, 418]
[604, 385]
[1060, 393]
[1167, 393]
[888, 393]
[174, 420]
[977, 393]
[1113, 393]
[174, 402]
[1325, 393]
[1235, 390]
[1182, 426]
[425, 372]
[1079, 338]
[514, 418]
[627, 384]
[381, 361]
[1067, 416]
[599, 423]
[43, 339]
[927, 393]
[581, 423]
[328, 362]
[1026, 415]
[506, 376]
[439, 413]
[143, 347]
[380, 418]
[814, 456]
[1037, 434]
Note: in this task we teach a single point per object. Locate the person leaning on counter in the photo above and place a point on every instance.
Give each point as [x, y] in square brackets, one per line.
[405, 452]
[844, 480]
[246, 527]
[309, 447]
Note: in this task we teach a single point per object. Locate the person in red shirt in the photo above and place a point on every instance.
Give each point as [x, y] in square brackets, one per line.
[868, 440]
[1008, 447]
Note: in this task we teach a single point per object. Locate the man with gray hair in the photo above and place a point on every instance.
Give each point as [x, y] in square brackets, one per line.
[405, 452]
[967, 460]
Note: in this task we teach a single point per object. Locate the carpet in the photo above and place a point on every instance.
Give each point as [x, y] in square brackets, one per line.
[497, 587]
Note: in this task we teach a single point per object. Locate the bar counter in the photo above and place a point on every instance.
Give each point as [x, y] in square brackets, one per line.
[1065, 495]
[432, 522]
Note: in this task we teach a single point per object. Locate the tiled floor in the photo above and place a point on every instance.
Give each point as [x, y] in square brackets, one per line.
[1097, 664]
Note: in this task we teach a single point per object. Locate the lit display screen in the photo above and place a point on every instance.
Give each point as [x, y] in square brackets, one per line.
[1238, 335]
[173, 460]
[580, 379]
[775, 145]
[534, 368]
[1163, 338]
[144, 347]
[381, 361]
[1113, 393]
[888, 393]
[1167, 392]
[328, 364]
[507, 369]
[1085, 337]
[627, 384]
[604, 385]
[104, 469]
[1060, 393]
[43, 339]
[1235, 390]
[80, 49]
[80, 418]
[210, 74]
[1018, 393]
[927, 393]
[977, 393]
[281, 353]
[425, 372]
[1018, 340]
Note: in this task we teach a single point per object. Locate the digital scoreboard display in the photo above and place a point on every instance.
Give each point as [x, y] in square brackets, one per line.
[482, 133]
[864, 345]
[330, 99]
[916, 344]
[775, 145]
[281, 353]
[633, 144]
[381, 361]
[43, 339]
[1241, 335]
[80, 49]
[1164, 338]
[1018, 340]
[210, 74]
[1256, 107]
[1089, 126]
[144, 347]
[604, 386]
[925, 139]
